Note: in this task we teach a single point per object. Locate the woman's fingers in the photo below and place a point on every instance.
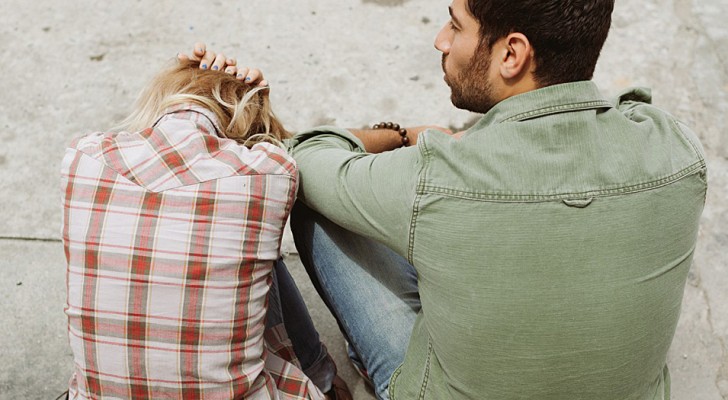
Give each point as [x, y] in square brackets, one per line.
[254, 77]
[219, 63]
[242, 73]
[231, 70]
[199, 51]
[207, 59]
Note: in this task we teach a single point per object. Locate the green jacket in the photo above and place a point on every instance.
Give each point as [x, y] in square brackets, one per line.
[552, 242]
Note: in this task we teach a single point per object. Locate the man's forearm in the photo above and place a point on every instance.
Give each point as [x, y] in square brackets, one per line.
[381, 140]
[378, 140]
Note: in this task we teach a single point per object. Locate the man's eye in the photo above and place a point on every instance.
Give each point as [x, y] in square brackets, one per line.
[452, 26]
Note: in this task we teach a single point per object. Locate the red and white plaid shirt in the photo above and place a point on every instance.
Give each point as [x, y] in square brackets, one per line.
[170, 236]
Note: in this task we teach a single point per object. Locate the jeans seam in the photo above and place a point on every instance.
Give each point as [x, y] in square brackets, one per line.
[343, 325]
[335, 312]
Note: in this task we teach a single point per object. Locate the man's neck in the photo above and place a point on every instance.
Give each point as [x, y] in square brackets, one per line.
[523, 85]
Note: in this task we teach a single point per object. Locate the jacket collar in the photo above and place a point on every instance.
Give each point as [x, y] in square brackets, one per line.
[566, 97]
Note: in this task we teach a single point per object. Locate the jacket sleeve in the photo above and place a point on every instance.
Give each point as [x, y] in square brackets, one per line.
[369, 194]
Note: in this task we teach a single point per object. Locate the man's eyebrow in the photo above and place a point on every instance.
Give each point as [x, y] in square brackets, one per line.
[452, 15]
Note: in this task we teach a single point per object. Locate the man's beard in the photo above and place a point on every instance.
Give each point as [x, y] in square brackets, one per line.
[471, 88]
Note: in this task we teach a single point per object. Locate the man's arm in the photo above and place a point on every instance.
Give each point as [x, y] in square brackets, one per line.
[378, 140]
[381, 140]
[370, 194]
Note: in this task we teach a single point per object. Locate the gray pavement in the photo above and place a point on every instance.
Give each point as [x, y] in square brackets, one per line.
[75, 66]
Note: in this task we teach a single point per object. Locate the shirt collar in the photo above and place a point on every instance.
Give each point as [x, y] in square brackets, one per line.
[553, 99]
[210, 121]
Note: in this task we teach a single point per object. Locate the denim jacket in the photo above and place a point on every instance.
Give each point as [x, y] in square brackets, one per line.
[552, 242]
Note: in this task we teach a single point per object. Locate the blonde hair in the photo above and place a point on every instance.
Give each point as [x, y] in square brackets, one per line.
[244, 112]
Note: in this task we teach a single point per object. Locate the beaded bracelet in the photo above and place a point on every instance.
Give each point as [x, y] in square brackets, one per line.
[394, 127]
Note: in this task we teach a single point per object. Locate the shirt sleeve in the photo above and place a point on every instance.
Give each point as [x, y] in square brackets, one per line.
[369, 194]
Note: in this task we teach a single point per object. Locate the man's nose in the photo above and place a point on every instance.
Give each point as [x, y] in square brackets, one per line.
[442, 40]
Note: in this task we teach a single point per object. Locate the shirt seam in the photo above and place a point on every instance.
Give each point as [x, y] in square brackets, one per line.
[93, 152]
[421, 188]
[584, 105]
[428, 362]
[393, 380]
[679, 131]
[500, 197]
[290, 176]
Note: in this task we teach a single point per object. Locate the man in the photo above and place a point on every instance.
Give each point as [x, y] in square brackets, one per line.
[540, 254]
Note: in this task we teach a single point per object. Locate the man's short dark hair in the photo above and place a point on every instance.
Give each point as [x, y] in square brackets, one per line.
[567, 35]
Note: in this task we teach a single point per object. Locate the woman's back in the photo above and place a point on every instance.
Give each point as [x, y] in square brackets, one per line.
[170, 235]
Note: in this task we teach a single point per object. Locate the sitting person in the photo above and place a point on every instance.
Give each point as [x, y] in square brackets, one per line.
[541, 254]
[172, 230]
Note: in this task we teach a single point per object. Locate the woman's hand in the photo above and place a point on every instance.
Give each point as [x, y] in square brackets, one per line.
[219, 62]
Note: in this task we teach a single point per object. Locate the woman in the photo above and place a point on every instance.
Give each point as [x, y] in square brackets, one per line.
[172, 230]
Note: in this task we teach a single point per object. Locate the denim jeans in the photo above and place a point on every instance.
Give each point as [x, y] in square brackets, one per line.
[285, 305]
[371, 290]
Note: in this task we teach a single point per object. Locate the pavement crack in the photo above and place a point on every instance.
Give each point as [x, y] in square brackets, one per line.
[722, 373]
[29, 239]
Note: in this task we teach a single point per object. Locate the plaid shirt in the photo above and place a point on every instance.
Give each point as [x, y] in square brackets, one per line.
[170, 236]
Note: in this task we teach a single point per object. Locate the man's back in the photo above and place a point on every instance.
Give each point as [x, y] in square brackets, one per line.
[551, 243]
[570, 231]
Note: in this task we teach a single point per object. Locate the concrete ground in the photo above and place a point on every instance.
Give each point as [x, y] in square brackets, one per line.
[75, 66]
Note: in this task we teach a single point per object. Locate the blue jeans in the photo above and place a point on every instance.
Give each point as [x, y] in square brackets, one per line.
[285, 305]
[371, 290]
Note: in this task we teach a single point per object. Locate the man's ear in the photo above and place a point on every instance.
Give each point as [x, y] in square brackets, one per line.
[517, 56]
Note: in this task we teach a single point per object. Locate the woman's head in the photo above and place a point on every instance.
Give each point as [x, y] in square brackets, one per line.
[244, 112]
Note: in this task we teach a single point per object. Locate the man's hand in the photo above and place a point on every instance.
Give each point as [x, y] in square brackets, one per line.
[381, 140]
[414, 133]
[219, 62]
